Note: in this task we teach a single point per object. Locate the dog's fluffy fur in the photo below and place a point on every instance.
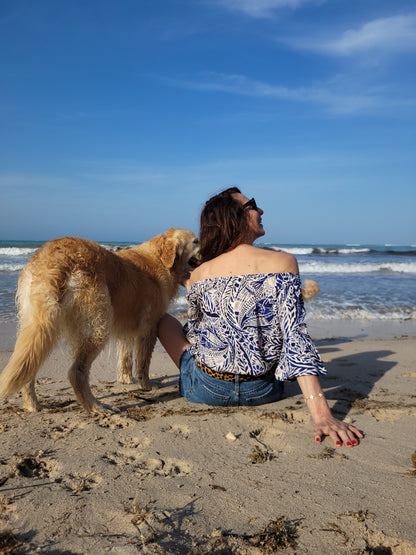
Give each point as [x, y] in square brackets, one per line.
[76, 288]
[310, 290]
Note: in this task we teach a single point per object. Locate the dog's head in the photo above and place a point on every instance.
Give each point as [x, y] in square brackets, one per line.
[179, 250]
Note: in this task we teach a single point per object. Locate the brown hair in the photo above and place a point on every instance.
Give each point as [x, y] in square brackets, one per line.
[223, 223]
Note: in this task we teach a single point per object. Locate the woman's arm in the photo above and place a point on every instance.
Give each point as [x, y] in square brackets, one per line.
[325, 423]
[172, 338]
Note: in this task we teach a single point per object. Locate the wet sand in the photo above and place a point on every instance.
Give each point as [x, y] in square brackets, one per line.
[168, 476]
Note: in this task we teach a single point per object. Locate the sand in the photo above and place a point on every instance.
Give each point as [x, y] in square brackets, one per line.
[168, 476]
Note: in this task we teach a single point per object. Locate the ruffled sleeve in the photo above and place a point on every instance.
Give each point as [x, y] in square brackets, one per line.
[299, 356]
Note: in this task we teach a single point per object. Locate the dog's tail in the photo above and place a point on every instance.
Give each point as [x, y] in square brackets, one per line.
[33, 345]
[310, 290]
[38, 332]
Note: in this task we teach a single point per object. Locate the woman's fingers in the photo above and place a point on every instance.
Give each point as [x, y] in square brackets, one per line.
[356, 432]
[339, 432]
[348, 438]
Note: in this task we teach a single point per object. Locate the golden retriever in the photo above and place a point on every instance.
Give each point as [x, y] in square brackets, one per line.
[77, 288]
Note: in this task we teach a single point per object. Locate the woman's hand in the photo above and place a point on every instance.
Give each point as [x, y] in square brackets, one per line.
[338, 431]
[325, 424]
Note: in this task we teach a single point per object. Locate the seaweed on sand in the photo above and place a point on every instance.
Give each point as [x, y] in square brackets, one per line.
[259, 456]
[8, 542]
[412, 472]
[328, 453]
[278, 535]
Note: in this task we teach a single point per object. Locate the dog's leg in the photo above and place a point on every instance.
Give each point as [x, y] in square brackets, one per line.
[144, 349]
[88, 329]
[125, 348]
[79, 374]
[30, 401]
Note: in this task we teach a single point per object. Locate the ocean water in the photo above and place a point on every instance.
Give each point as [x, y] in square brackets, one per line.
[357, 282]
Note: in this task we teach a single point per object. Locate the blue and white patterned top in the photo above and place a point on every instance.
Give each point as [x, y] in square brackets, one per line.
[251, 324]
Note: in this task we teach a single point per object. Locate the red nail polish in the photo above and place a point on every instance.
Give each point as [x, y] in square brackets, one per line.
[318, 440]
[339, 443]
[348, 444]
[355, 442]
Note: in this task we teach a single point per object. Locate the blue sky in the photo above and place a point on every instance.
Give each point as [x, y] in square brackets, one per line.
[118, 119]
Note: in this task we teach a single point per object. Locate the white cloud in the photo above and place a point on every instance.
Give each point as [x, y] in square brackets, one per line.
[333, 96]
[29, 181]
[261, 8]
[390, 34]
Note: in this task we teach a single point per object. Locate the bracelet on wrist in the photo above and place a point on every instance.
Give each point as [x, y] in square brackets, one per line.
[311, 397]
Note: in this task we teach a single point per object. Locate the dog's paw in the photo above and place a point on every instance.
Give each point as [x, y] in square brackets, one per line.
[103, 410]
[145, 384]
[125, 378]
[33, 407]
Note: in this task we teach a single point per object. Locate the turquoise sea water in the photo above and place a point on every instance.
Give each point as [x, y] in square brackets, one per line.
[357, 282]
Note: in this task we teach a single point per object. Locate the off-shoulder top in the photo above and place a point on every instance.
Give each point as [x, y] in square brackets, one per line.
[251, 324]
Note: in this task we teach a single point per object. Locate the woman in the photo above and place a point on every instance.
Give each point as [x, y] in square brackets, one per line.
[245, 335]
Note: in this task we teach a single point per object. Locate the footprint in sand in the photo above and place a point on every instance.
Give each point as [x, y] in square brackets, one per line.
[128, 456]
[135, 442]
[131, 451]
[179, 430]
[44, 381]
[59, 432]
[113, 421]
[8, 511]
[123, 457]
[390, 414]
[78, 482]
[165, 467]
[35, 466]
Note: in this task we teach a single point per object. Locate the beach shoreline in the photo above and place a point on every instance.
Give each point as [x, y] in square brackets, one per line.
[168, 476]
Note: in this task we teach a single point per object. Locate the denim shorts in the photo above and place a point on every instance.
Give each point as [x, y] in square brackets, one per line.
[198, 387]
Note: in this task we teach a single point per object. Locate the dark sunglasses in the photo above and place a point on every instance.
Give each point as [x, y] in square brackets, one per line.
[251, 204]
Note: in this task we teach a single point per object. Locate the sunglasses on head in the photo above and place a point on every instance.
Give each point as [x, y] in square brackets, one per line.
[251, 204]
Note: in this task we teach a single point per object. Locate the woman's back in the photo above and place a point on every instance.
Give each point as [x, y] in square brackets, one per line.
[243, 260]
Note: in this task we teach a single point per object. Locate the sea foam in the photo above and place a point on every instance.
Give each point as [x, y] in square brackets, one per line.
[17, 251]
[365, 268]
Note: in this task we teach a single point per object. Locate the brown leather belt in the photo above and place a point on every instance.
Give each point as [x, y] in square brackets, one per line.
[229, 376]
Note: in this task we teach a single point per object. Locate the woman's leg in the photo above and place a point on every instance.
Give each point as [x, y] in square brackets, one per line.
[260, 392]
[194, 385]
[172, 338]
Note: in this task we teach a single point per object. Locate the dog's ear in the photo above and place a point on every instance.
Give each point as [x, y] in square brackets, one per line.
[171, 248]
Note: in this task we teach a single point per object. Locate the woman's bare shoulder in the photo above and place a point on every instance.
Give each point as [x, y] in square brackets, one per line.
[245, 259]
[278, 261]
[200, 273]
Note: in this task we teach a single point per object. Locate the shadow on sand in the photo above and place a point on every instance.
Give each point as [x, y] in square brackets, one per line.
[351, 377]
